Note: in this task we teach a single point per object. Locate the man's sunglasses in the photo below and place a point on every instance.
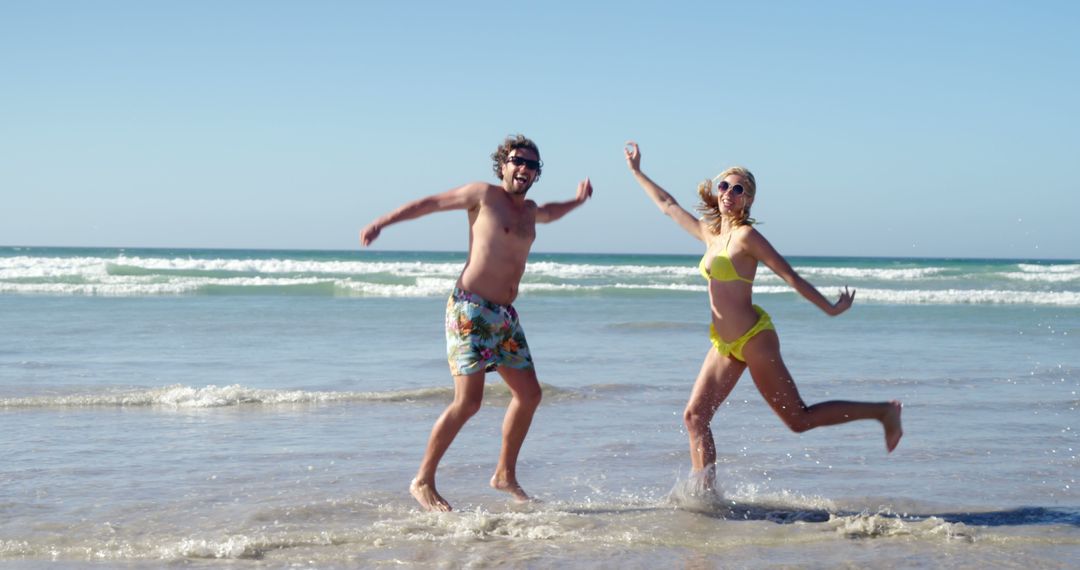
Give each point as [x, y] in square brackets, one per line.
[723, 187]
[528, 162]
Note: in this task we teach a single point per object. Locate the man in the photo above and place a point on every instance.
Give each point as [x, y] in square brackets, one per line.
[482, 328]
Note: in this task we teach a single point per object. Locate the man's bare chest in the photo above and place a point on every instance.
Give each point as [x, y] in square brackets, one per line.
[517, 225]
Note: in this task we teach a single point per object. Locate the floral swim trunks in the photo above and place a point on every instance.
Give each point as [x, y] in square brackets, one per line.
[481, 335]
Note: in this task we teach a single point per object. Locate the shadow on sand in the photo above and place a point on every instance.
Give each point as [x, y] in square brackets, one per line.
[1021, 516]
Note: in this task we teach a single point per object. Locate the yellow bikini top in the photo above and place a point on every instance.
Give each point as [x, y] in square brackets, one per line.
[722, 269]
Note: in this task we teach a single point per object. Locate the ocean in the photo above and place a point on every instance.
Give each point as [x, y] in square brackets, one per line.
[250, 408]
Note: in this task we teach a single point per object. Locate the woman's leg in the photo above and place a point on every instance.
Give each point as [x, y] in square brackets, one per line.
[776, 385]
[717, 378]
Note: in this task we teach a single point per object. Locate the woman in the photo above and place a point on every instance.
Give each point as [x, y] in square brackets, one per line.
[741, 332]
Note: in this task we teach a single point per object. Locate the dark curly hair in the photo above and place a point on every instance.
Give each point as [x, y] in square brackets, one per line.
[512, 143]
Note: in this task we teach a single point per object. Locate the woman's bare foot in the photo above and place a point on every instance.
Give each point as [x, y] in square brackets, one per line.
[703, 480]
[428, 497]
[510, 486]
[893, 428]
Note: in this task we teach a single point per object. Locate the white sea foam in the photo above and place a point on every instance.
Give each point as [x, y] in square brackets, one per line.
[431, 287]
[292, 266]
[181, 396]
[1042, 277]
[482, 525]
[487, 537]
[572, 287]
[581, 271]
[584, 270]
[858, 273]
[147, 276]
[22, 267]
[1057, 268]
[130, 286]
[1045, 273]
[164, 548]
[752, 493]
[969, 297]
[887, 525]
[698, 492]
[424, 287]
[31, 267]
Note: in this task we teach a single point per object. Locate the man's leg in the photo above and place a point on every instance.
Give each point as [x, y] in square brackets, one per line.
[525, 389]
[468, 395]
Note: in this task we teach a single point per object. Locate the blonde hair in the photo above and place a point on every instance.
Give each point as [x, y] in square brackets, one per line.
[710, 204]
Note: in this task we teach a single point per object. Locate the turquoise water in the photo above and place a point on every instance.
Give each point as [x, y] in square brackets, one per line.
[269, 407]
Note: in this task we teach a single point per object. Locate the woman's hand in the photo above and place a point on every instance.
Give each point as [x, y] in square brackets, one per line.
[633, 156]
[844, 303]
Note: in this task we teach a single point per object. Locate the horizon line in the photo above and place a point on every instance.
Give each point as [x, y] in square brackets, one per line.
[583, 253]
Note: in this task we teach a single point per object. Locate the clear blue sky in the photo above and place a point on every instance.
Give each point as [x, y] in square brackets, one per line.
[926, 128]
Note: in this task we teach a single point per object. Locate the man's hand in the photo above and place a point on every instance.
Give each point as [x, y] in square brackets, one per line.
[368, 234]
[584, 190]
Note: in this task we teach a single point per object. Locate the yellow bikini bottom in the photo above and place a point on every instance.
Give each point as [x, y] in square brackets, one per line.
[734, 348]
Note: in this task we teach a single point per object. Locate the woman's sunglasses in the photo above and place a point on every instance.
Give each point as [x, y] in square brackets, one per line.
[723, 187]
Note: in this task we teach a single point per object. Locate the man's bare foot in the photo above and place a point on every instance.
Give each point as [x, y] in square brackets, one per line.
[428, 497]
[511, 487]
[893, 428]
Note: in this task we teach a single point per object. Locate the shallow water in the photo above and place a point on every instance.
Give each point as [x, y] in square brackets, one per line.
[259, 421]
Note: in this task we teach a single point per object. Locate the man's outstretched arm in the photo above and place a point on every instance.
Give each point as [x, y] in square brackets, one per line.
[554, 210]
[461, 198]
